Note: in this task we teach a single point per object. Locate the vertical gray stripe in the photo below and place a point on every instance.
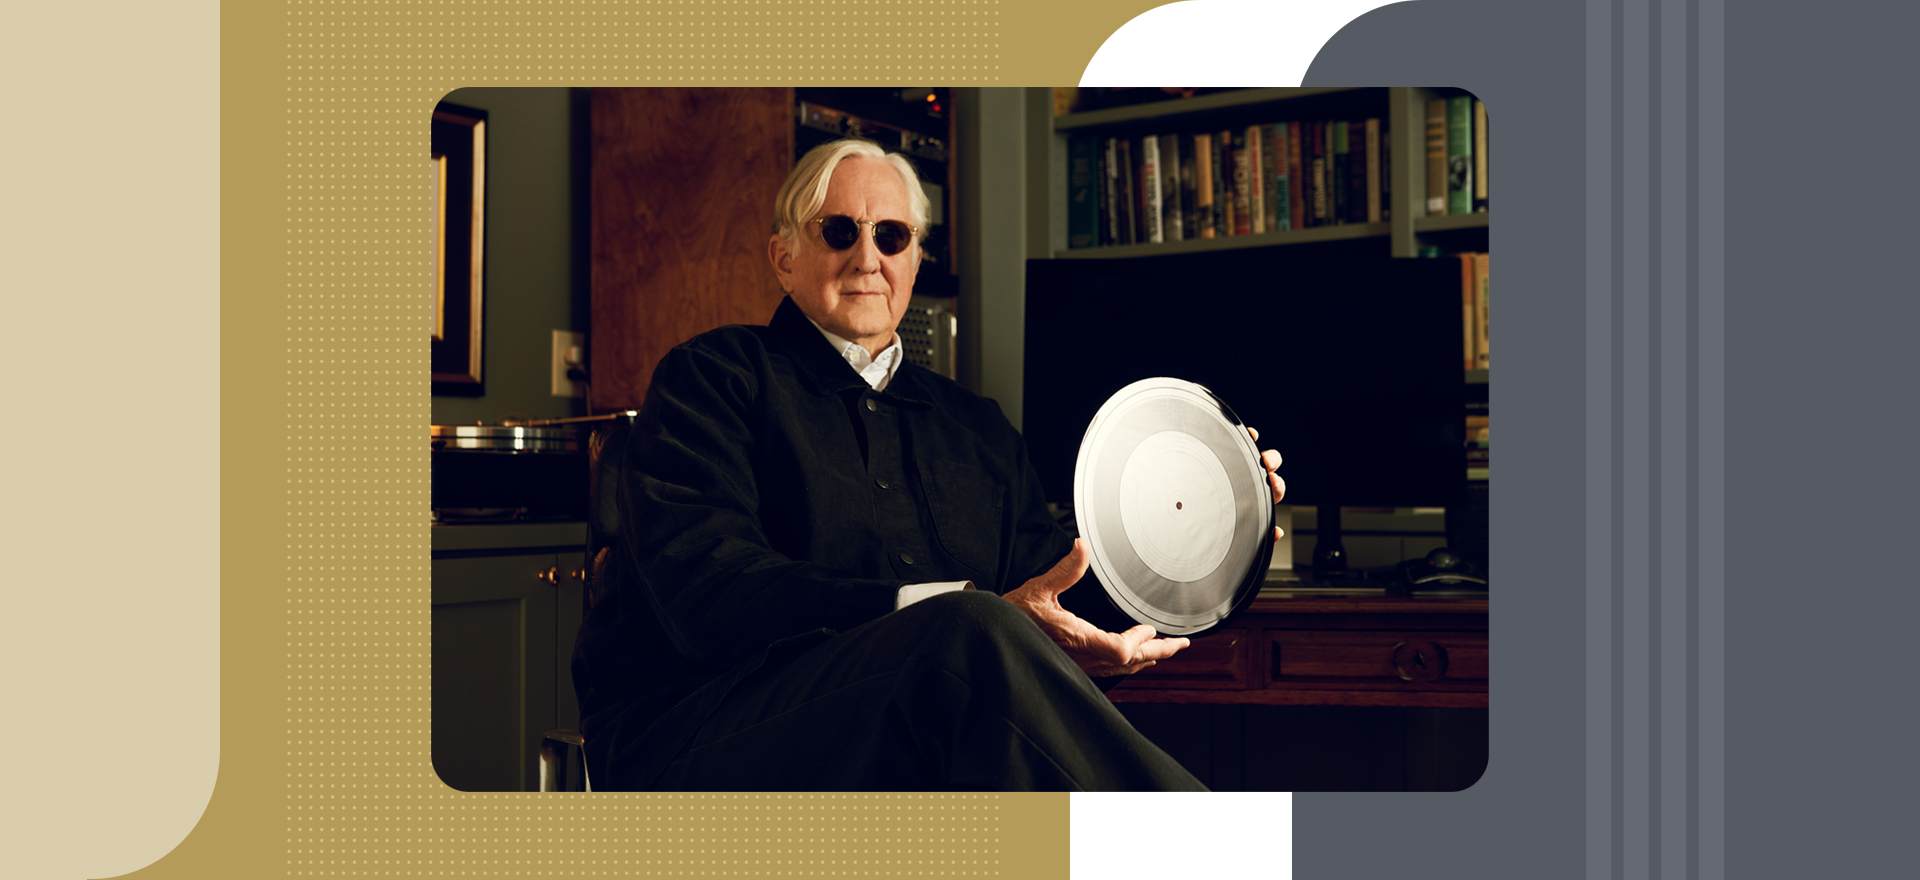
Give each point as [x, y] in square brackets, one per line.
[1635, 447]
[1676, 401]
[1655, 409]
[1710, 412]
[1599, 455]
[1615, 525]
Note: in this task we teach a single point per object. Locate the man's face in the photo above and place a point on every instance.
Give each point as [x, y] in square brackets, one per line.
[858, 294]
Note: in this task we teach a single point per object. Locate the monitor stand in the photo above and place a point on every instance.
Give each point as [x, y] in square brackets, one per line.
[1329, 556]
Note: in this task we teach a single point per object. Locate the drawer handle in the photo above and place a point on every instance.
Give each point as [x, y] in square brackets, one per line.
[551, 575]
[1420, 661]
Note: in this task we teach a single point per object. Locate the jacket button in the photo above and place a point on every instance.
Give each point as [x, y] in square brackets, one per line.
[882, 484]
[871, 407]
[906, 557]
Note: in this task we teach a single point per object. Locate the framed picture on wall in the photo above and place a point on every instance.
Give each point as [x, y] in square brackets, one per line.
[459, 175]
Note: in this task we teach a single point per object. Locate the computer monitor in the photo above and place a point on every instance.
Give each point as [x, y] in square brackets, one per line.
[1350, 366]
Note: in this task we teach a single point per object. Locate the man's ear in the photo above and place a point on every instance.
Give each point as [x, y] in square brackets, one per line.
[782, 260]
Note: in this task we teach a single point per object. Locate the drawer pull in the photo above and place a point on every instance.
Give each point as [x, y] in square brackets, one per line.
[551, 575]
[1420, 661]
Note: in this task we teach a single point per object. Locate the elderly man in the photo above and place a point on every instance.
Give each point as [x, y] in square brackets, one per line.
[837, 570]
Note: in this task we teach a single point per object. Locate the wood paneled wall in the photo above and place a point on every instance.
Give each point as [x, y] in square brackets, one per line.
[683, 187]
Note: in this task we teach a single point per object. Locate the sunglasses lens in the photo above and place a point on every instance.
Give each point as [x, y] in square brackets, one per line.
[839, 233]
[891, 236]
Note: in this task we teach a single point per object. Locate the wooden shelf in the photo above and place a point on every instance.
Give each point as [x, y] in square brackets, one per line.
[1175, 111]
[1448, 222]
[1199, 245]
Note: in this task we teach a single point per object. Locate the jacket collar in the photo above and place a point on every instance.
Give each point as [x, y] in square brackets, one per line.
[826, 371]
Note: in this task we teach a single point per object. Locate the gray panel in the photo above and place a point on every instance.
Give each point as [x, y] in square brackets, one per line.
[1523, 818]
[1721, 314]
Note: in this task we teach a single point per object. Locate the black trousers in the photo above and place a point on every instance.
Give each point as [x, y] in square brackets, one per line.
[956, 692]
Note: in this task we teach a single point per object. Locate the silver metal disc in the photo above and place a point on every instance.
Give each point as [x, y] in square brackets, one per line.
[1173, 502]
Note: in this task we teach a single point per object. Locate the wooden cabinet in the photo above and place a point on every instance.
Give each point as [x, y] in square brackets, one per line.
[506, 604]
[1331, 651]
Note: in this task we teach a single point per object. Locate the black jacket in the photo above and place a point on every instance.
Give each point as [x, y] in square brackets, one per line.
[770, 498]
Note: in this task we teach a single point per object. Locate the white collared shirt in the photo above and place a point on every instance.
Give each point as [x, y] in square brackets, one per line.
[878, 371]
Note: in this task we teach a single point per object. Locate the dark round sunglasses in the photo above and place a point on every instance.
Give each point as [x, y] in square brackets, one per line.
[841, 232]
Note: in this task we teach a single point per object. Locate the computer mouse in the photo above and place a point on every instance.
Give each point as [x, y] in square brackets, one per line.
[1443, 559]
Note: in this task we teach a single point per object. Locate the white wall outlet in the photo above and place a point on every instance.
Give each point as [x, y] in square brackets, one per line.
[569, 352]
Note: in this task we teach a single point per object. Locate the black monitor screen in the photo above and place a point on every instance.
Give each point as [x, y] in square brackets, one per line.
[1351, 367]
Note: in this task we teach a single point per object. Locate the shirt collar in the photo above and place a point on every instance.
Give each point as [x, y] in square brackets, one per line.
[877, 371]
[826, 371]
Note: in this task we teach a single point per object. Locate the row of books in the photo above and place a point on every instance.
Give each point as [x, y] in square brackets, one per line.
[1456, 156]
[1238, 181]
[1477, 447]
[1473, 309]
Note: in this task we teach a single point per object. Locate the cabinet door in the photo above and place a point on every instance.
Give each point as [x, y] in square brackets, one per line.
[494, 668]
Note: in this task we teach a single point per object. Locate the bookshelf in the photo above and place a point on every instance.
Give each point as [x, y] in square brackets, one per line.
[1405, 233]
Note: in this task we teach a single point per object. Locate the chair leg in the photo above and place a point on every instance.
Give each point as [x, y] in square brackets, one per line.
[556, 751]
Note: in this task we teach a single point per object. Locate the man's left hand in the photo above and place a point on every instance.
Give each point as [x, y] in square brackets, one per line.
[1270, 459]
[1098, 652]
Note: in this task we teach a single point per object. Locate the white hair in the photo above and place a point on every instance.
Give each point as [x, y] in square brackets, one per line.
[806, 187]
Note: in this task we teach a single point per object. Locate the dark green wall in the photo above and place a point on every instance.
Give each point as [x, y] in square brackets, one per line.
[536, 250]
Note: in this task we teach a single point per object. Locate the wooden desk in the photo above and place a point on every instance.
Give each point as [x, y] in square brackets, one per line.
[1331, 650]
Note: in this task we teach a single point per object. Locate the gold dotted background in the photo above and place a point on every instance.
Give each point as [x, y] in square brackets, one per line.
[325, 768]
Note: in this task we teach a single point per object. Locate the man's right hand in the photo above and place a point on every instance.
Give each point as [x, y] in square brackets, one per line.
[1098, 652]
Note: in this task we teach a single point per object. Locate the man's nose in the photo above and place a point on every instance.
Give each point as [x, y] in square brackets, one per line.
[866, 255]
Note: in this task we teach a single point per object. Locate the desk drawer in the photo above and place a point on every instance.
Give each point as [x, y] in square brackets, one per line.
[1388, 660]
[1219, 660]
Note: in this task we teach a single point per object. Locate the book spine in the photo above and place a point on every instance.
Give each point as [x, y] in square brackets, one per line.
[1317, 143]
[1203, 179]
[1083, 206]
[1479, 156]
[1139, 166]
[1109, 202]
[1480, 311]
[1460, 155]
[1189, 195]
[1356, 181]
[1386, 174]
[1437, 156]
[1222, 175]
[1296, 178]
[1129, 220]
[1337, 172]
[1150, 169]
[1256, 184]
[1373, 171]
[1242, 191]
[1268, 210]
[1469, 349]
[1281, 196]
[1171, 214]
